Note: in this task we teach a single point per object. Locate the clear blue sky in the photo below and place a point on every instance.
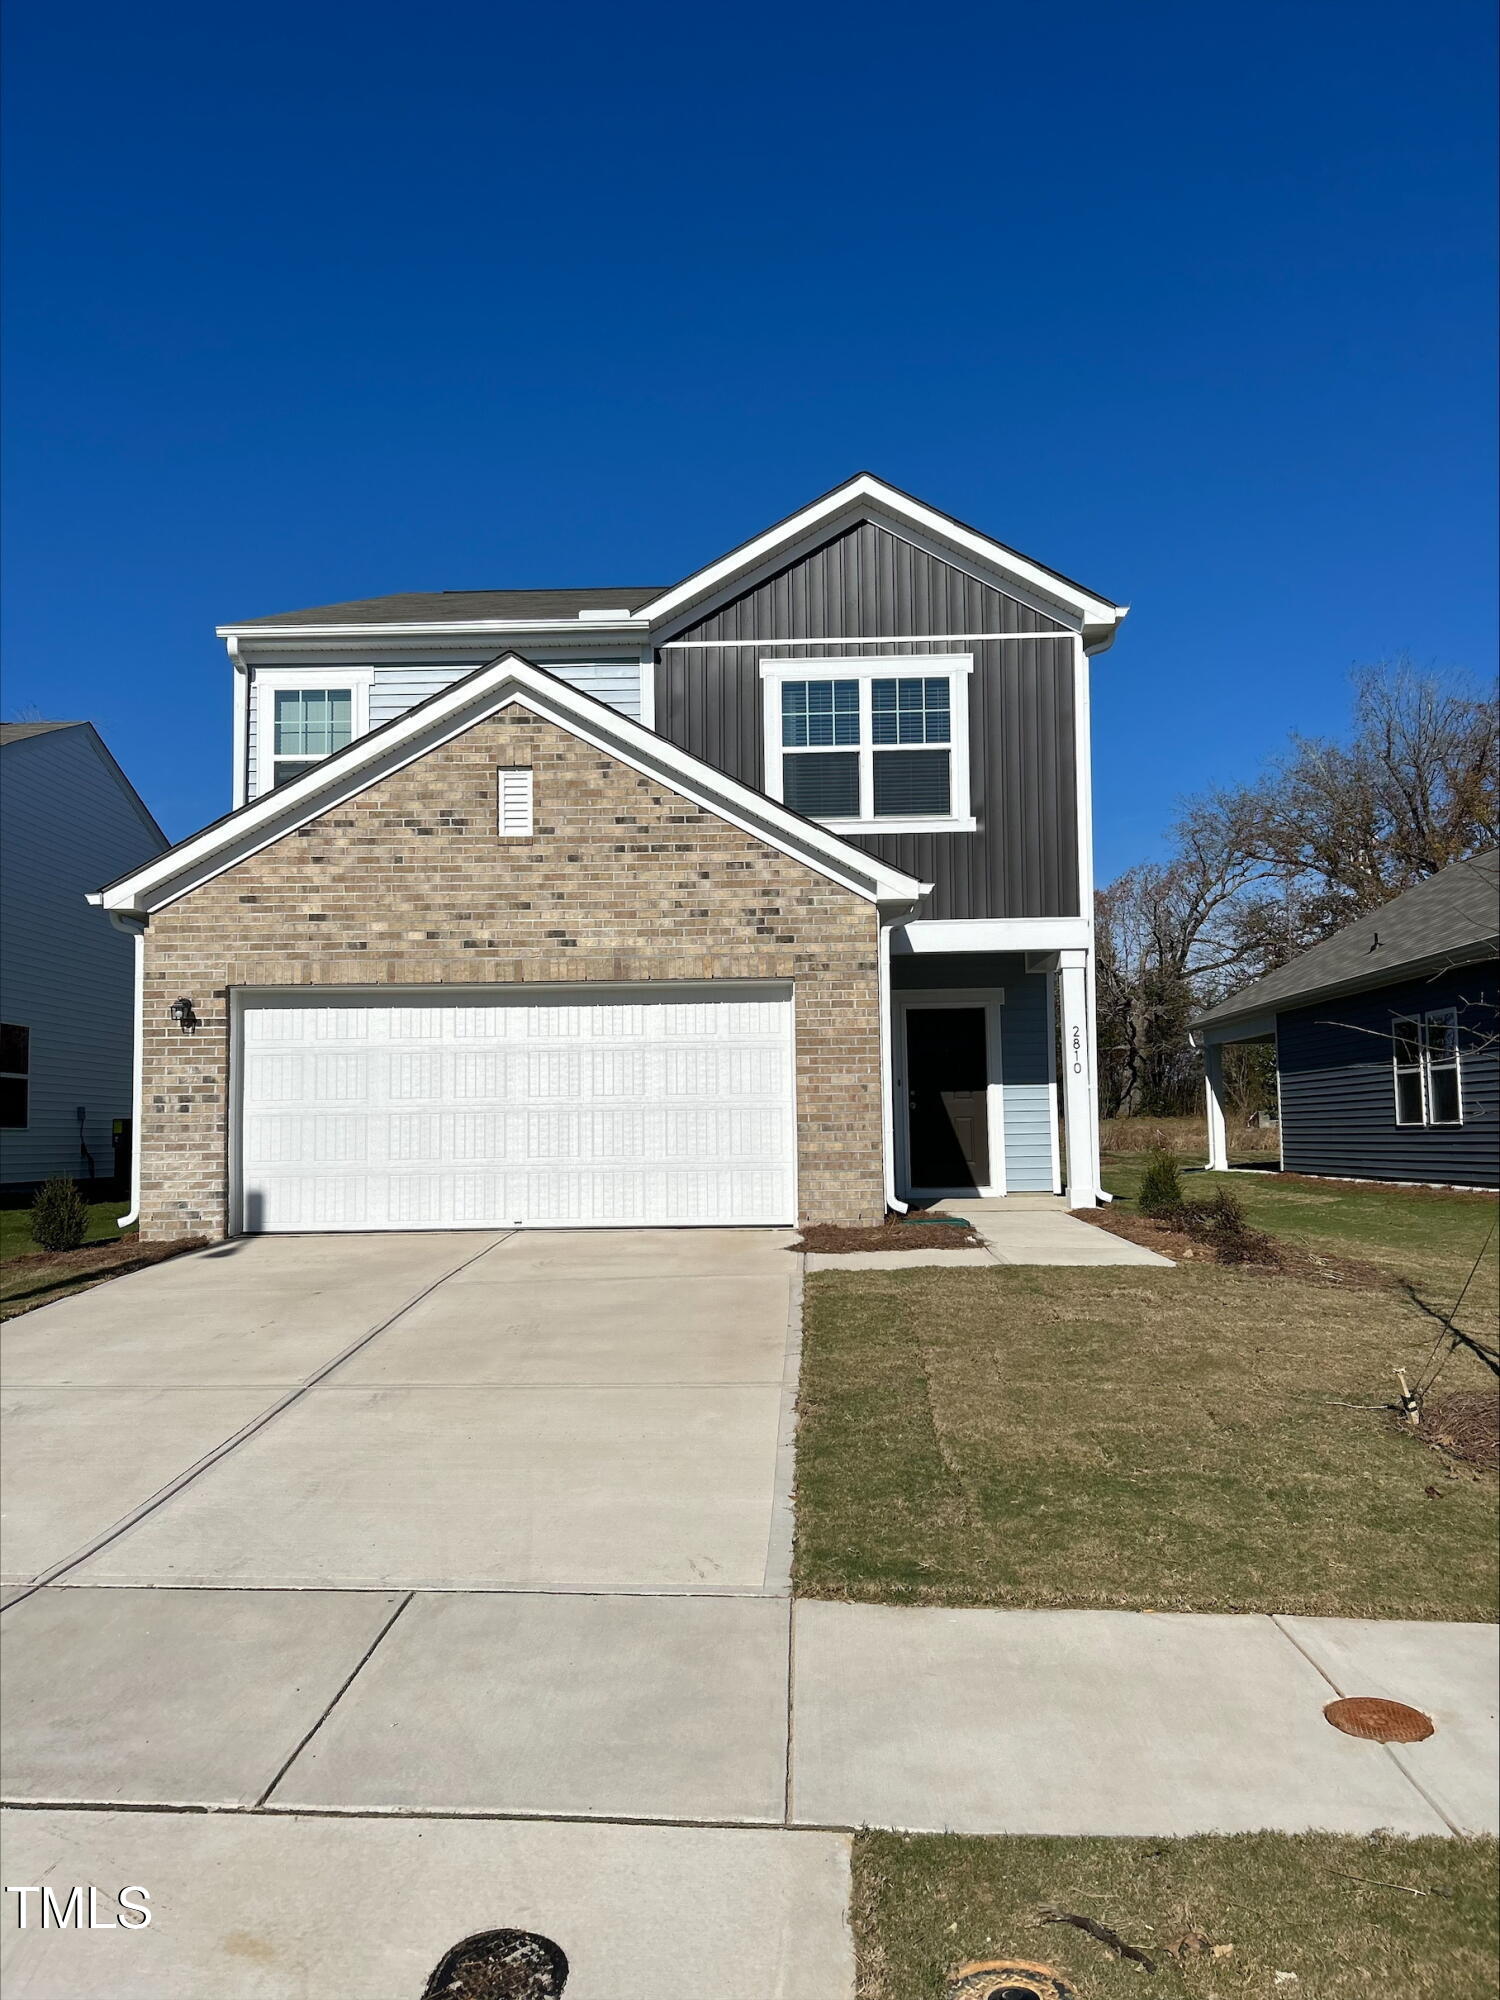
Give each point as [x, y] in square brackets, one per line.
[312, 302]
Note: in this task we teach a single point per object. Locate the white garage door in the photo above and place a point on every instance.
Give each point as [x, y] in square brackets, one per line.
[616, 1106]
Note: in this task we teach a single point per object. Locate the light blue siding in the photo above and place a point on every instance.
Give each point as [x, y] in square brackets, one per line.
[1026, 1055]
[67, 825]
[400, 684]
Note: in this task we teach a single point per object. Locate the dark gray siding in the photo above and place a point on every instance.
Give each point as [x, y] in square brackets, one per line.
[1023, 860]
[1338, 1112]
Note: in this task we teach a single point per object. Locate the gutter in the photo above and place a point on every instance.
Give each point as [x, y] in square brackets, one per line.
[887, 1078]
[134, 927]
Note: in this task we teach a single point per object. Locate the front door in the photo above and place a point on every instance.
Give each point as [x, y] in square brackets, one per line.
[947, 1079]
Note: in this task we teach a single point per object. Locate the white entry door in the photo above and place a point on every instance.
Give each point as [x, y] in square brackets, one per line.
[611, 1106]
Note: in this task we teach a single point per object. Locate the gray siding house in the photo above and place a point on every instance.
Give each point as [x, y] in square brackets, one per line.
[890, 696]
[1387, 1039]
[68, 814]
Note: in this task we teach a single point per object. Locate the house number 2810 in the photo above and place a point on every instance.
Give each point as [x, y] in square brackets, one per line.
[1077, 1051]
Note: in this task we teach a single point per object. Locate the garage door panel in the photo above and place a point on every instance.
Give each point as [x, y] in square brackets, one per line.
[550, 1113]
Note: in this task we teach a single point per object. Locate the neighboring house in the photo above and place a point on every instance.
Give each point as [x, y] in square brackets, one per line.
[759, 896]
[68, 814]
[1387, 1039]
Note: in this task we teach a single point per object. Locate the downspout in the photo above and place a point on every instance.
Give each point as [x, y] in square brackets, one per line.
[887, 1070]
[135, 927]
[241, 786]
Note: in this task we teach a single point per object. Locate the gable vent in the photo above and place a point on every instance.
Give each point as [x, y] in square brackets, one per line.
[515, 804]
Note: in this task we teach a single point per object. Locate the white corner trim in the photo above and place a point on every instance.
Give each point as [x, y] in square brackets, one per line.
[1096, 612]
[267, 682]
[952, 667]
[448, 714]
[646, 700]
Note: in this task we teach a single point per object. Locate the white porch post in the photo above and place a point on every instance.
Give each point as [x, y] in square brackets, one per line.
[1078, 1070]
[1213, 1082]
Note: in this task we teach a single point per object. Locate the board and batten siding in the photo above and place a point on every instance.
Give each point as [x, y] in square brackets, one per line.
[1027, 1057]
[67, 826]
[1338, 1097]
[869, 585]
[401, 684]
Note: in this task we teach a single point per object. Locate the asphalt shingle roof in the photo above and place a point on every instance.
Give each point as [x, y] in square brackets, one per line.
[17, 732]
[1457, 911]
[457, 607]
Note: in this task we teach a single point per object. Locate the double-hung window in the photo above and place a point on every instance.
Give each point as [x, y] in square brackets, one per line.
[15, 1076]
[873, 745]
[301, 717]
[1429, 1090]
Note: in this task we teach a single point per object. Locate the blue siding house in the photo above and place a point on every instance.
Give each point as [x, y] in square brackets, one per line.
[68, 817]
[1387, 1039]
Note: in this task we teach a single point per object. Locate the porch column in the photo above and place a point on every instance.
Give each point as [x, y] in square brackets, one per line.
[1078, 1067]
[1213, 1090]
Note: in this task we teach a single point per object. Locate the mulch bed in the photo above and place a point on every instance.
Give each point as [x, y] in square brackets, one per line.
[30, 1281]
[1465, 1425]
[893, 1234]
[1292, 1260]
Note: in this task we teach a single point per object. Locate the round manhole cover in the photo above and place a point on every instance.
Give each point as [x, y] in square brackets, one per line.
[1007, 1979]
[1379, 1721]
[500, 1965]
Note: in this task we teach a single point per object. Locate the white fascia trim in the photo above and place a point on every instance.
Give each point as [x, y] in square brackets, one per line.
[1095, 612]
[584, 628]
[995, 934]
[479, 695]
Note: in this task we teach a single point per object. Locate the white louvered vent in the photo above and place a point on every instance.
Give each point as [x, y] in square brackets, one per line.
[515, 804]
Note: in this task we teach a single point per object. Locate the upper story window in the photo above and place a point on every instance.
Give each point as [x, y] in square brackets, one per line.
[1429, 1090]
[303, 716]
[870, 745]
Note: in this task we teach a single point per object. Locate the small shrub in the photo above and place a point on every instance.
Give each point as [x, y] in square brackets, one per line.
[1220, 1223]
[59, 1216]
[1161, 1188]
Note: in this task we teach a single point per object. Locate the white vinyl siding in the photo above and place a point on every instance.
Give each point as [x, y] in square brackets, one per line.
[609, 1106]
[397, 685]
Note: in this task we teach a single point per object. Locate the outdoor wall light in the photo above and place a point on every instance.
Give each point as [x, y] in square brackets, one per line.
[183, 1015]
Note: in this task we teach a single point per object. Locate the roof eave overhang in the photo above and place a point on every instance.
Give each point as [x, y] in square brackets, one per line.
[447, 714]
[1248, 1024]
[1097, 618]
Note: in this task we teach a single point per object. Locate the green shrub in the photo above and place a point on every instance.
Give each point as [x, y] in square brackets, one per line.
[1161, 1188]
[59, 1216]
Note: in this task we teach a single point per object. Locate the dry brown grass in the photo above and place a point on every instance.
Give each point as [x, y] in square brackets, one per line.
[1350, 1917]
[1186, 1138]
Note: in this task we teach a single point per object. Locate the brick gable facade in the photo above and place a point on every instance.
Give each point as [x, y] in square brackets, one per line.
[409, 884]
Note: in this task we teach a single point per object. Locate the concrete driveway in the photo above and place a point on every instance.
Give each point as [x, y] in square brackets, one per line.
[582, 1411]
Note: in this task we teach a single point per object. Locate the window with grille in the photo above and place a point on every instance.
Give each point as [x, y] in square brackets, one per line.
[868, 747]
[15, 1076]
[308, 724]
[1429, 1088]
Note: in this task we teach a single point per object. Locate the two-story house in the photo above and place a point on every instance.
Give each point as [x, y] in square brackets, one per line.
[761, 896]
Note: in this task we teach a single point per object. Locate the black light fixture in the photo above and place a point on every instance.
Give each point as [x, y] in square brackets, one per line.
[183, 1015]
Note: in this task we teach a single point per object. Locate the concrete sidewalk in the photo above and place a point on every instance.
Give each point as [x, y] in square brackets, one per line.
[741, 1711]
[1017, 1229]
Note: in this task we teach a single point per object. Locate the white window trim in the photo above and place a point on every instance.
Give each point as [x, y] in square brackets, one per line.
[1450, 1015]
[1423, 1066]
[953, 667]
[271, 681]
[992, 1000]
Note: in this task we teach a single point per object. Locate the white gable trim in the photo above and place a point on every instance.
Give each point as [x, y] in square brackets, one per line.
[480, 695]
[1096, 614]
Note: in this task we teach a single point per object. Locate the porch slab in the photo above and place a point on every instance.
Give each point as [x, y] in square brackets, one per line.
[284, 1908]
[591, 1707]
[172, 1697]
[1449, 1671]
[1075, 1722]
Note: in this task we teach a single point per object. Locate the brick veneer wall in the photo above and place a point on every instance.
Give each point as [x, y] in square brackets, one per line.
[408, 884]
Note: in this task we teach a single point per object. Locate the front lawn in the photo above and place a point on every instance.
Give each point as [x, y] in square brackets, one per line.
[31, 1277]
[1338, 1916]
[15, 1228]
[1199, 1439]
